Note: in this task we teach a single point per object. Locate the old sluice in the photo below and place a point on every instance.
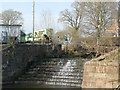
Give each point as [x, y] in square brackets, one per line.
[63, 72]
[34, 64]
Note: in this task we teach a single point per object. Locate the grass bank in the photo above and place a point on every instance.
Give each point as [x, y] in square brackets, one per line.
[113, 56]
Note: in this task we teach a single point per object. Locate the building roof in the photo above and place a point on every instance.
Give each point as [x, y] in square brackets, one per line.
[10, 25]
[114, 26]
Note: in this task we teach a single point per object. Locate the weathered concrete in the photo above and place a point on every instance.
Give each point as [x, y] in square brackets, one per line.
[55, 71]
[100, 74]
[16, 59]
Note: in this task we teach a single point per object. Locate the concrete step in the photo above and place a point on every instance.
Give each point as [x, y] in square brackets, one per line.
[36, 70]
[32, 79]
[54, 73]
[64, 84]
[66, 81]
[39, 77]
[51, 82]
[25, 82]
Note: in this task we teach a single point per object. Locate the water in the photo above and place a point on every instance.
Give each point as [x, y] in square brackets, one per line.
[56, 72]
[69, 73]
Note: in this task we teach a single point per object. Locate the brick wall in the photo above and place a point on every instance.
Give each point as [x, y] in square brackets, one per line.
[100, 74]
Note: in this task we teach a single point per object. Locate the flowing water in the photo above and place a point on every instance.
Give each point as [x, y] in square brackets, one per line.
[60, 72]
[68, 73]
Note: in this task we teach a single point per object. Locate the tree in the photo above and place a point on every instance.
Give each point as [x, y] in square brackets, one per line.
[68, 34]
[10, 17]
[12, 20]
[46, 19]
[73, 18]
[119, 20]
[60, 36]
[90, 18]
[98, 16]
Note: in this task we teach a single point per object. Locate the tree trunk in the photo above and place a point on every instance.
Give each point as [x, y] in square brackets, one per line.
[119, 24]
[98, 40]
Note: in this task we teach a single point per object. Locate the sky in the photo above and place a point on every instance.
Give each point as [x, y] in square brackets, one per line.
[26, 8]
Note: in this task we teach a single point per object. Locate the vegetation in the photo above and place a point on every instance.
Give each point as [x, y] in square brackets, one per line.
[86, 24]
[73, 18]
[112, 56]
[10, 17]
[47, 20]
[99, 14]
[119, 19]
[91, 18]
[12, 22]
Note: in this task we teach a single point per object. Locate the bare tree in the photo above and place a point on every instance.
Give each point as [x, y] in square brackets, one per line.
[98, 16]
[12, 20]
[60, 36]
[119, 20]
[73, 18]
[46, 19]
[10, 17]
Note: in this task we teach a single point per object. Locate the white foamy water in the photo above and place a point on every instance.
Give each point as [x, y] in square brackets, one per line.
[65, 75]
[67, 68]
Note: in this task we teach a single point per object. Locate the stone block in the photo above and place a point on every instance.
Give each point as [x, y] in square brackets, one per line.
[100, 84]
[87, 63]
[91, 74]
[112, 70]
[113, 64]
[102, 63]
[93, 69]
[108, 85]
[94, 63]
[100, 69]
[84, 84]
[100, 75]
[112, 77]
[88, 69]
[115, 84]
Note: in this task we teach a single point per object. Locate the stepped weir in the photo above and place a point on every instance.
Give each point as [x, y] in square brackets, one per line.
[56, 72]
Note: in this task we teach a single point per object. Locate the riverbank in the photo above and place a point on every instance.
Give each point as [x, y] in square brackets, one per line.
[103, 72]
[113, 56]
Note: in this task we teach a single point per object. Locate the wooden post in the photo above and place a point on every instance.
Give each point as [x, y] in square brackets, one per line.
[33, 21]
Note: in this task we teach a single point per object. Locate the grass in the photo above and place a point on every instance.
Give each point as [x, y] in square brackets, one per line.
[111, 57]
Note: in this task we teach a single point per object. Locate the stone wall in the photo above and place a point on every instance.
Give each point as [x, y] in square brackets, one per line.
[16, 59]
[100, 74]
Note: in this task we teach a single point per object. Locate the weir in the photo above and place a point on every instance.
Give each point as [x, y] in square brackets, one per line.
[56, 72]
[27, 64]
